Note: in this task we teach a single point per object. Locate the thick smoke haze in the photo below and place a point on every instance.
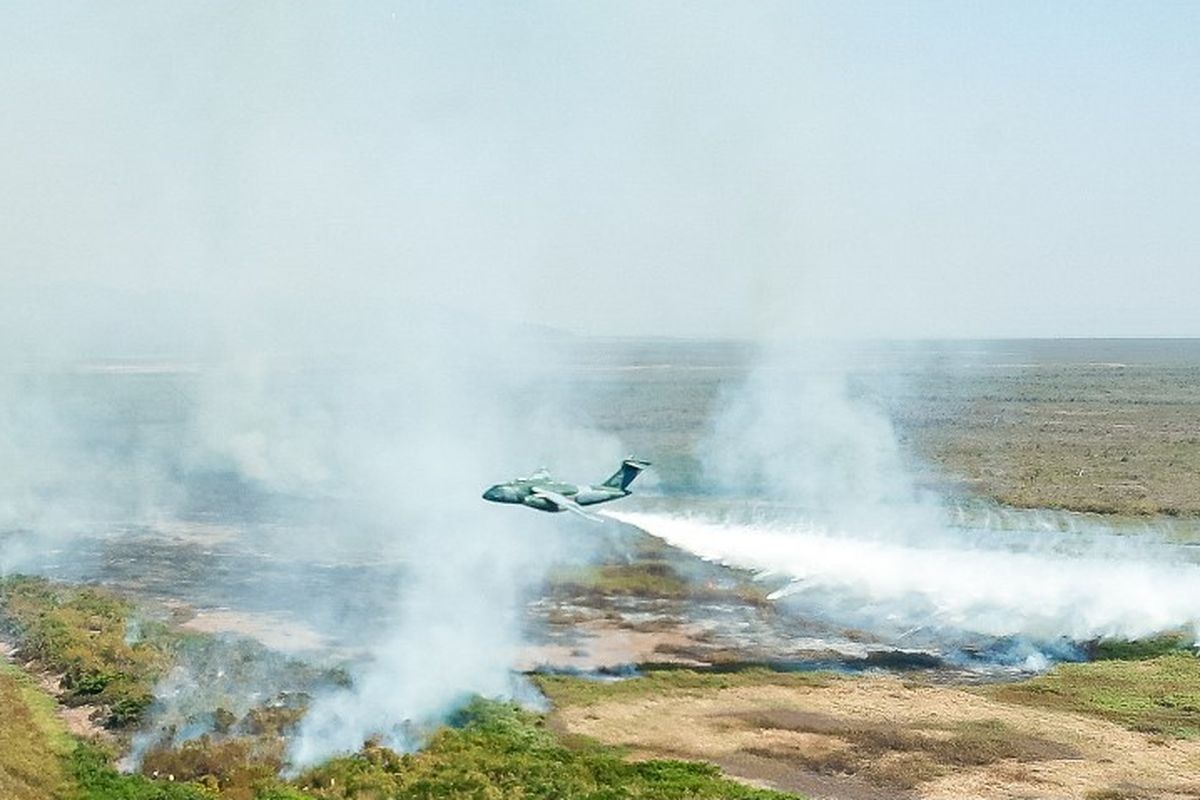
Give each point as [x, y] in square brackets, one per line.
[382, 454]
[289, 265]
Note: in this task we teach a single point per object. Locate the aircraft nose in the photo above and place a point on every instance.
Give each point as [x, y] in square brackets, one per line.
[492, 494]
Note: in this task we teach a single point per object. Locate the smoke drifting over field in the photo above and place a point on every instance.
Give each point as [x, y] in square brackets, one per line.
[381, 456]
[260, 267]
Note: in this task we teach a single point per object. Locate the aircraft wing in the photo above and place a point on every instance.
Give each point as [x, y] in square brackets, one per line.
[564, 503]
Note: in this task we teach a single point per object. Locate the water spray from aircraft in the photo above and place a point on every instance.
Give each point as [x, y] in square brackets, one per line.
[957, 584]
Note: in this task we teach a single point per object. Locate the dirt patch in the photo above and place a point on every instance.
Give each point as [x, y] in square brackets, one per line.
[273, 630]
[81, 721]
[771, 772]
[606, 644]
[897, 756]
[877, 737]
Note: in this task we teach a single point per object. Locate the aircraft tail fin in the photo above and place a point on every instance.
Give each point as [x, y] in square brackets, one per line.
[630, 469]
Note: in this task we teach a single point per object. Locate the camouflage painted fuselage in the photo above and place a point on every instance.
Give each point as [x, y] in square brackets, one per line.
[523, 491]
[541, 492]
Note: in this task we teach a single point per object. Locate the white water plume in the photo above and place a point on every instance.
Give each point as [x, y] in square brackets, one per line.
[1081, 590]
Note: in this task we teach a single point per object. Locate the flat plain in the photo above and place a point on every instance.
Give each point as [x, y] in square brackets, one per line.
[1107, 428]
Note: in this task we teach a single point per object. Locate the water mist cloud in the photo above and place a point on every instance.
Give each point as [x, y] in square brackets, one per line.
[1078, 586]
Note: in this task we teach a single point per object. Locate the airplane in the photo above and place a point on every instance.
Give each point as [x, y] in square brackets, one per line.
[541, 492]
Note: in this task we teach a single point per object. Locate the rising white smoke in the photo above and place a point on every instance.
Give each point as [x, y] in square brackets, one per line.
[798, 430]
[323, 227]
[377, 453]
[416, 450]
[391, 448]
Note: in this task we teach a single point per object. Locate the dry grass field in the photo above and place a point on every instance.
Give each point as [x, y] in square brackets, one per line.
[1110, 426]
[871, 738]
[1086, 426]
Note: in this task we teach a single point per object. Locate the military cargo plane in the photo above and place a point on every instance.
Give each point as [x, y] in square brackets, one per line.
[543, 493]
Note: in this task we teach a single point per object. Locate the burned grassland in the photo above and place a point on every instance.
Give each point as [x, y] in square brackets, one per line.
[636, 565]
[94, 648]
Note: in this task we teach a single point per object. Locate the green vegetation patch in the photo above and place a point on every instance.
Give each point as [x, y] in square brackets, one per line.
[635, 564]
[499, 751]
[1141, 649]
[39, 760]
[94, 778]
[657, 579]
[491, 750]
[1156, 695]
[568, 690]
[80, 634]
[234, 768]
[32, 742]
[642, 579]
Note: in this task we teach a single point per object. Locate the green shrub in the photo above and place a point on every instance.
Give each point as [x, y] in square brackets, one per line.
[497, 751]
[97, 780]
[1140, 649]
[81, 634]
[569, 690]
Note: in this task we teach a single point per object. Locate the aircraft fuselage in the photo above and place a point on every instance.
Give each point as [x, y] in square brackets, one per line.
[522, 492]
[541, 492]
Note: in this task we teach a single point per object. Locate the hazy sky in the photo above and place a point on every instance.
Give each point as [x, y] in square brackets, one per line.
[742, 169]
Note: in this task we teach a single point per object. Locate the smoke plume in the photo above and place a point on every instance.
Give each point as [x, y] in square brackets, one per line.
[267, 267]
